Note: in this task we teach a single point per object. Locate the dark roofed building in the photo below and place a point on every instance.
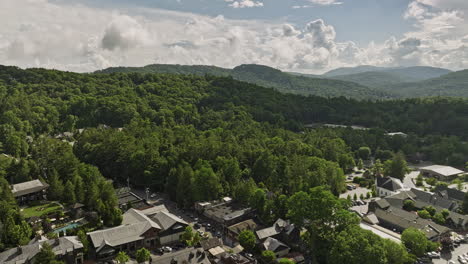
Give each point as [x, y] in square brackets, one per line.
[386, 186]
[227, 214]
[282, 230]
[450, 193]
[279, 248]
[398, 220]
[211, 243]
[67, 249]
[195, 256]
[29, 191]
[232, 232]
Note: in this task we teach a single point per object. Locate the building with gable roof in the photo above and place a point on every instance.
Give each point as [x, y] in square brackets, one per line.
[29, 191]
[67, 249]
[386, 186]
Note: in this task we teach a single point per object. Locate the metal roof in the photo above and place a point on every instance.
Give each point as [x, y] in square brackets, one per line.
[442, 170]
[25, 188]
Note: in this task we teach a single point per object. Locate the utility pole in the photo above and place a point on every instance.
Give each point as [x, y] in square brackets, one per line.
[147, 193]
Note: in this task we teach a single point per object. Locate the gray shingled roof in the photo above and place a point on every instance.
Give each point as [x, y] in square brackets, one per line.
[167, 220]
[133, 216]
[274, 245]
[244, 225]
[405, 219]
[389, 183]
[24, 188]
[451, 193]
[119, 235]
[60, 246]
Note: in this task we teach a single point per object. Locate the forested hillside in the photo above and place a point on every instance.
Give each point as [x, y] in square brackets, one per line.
[452, 84]
[268, 77]
[197, 138]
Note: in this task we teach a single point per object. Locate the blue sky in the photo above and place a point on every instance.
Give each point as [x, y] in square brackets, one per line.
[357, 20]
[310, 36]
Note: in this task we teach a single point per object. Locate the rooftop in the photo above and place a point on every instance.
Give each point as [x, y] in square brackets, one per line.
[188, 256]
[274, 245]
[244, 225]
[442, 170]
[23, 254]
[29, 187]
[389, 183]
[226, 211]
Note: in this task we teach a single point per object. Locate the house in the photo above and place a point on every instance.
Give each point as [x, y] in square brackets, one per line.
[127, 199]
[195, 256]
[29, 191]
[67, 249]
[136, 231]
[227, 214]
[443, 173]
[450, 193]
[172, 227]
[279, 248]
[282, 230]
[422, 199]
[398, 220]
[386, 186]
[210, 243]
[234, 259]
[232, 232]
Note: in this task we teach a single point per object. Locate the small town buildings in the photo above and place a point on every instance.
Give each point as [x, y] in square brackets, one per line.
[67, 249]
[227, 214]
[195, 256]
[232, 258]
[29, 191]
[282, 230]
[450, 193]
[443, 173]
[279, 248]
[398, 220]
[232, 232]
[127, 199]
[138, 230]
[386, 186]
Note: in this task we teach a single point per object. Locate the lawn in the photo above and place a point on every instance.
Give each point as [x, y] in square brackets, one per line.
[40, 210]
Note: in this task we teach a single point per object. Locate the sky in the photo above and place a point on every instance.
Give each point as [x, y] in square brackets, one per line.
[310, 36]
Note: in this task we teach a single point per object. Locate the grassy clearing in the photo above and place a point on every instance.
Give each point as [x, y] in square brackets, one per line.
[40, 210]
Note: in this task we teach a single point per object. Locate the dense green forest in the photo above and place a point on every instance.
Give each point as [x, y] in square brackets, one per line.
[267, 77]
[197, 138]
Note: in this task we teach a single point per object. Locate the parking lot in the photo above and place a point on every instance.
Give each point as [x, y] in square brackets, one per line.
[358, 191]
[453, 256]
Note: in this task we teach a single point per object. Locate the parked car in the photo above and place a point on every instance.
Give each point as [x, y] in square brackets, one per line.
[159, 251]
[167, 249]
[196, 226]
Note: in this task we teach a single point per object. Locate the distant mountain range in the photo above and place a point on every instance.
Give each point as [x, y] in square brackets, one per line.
[268, 77]
[361, 82]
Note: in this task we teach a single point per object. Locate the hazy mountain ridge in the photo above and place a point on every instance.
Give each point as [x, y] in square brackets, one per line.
[381, 83]
[268, 77]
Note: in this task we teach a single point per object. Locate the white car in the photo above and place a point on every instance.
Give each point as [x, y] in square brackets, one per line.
[167, 249]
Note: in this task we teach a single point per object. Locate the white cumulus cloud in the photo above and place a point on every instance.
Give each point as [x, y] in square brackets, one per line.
[244, 3]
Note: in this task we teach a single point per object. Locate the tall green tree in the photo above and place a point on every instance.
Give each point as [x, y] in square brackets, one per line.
[415, 241]
[396, 167]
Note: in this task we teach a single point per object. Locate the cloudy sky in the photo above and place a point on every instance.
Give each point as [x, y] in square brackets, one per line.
[309, 36]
